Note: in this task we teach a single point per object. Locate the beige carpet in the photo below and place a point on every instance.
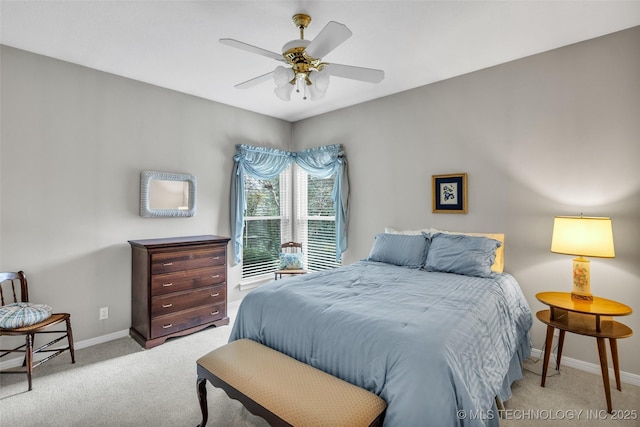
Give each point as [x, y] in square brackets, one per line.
[571, 397]
[120, 384]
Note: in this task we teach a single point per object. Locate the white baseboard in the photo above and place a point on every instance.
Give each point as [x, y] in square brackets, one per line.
[13, 363]
[625, 377]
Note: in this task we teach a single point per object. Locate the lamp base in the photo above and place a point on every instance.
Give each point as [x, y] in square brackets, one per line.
[581, 279]
[582, 297]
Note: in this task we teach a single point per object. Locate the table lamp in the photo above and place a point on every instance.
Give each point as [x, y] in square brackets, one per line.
[582, 236]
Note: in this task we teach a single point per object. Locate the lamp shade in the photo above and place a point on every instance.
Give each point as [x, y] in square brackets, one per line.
[583, 236]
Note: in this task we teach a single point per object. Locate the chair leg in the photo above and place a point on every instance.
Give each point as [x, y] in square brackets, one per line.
[29, 358]
[24, 359]
[70, 340]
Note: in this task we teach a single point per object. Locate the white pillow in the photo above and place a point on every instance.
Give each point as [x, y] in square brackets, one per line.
[390, 230]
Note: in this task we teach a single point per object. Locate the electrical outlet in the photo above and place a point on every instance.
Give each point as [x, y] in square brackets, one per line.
[104, 313]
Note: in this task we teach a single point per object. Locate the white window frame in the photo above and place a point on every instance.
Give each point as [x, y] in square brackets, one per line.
[294, 219]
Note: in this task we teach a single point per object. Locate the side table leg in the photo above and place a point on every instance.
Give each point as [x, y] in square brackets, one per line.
[604, 367]
[202, 398]
[547, 352]
[560, 344]
[613, 343]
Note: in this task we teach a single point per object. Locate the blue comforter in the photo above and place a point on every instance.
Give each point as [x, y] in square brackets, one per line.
[438, 347]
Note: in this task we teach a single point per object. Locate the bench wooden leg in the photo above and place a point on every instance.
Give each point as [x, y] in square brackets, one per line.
[202, 398]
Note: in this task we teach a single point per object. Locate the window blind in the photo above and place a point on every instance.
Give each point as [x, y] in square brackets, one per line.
[267, 223]
[315, 220]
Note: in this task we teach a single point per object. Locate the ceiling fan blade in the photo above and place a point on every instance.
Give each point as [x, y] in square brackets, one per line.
[253, 49]
[355, 73]
[255, 81]
[332, 35]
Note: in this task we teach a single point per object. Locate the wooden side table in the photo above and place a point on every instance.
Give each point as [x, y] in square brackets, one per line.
[584, 318]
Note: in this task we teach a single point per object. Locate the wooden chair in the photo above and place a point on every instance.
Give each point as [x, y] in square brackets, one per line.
[290, 247]
[13, 289]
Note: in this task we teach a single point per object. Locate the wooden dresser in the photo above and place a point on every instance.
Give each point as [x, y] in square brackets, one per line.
[178, 286]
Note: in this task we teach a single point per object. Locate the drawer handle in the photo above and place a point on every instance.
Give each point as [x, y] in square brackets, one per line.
[166, 305]
[216, 294]
[167, 263]
[216, 257]
[215, 277]
[167, 284]
[167, 326]
[215, 312]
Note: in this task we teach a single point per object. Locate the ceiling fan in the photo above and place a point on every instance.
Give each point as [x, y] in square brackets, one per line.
[306, 72]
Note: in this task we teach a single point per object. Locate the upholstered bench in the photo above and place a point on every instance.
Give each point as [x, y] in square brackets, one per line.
[284, 391]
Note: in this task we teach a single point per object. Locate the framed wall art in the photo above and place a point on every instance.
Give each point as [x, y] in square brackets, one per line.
[449, 193]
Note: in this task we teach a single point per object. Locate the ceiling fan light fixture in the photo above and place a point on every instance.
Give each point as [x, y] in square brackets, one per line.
[284, 92]
[319, 84]
[320, 79]
[283, 76]
[314, 93]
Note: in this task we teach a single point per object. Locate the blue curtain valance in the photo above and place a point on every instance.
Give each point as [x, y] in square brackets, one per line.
[267, 163]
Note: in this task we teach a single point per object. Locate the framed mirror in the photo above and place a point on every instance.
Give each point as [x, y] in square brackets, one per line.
[165, 194]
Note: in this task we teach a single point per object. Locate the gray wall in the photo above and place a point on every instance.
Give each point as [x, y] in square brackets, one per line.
[552, 134]
[74, 141]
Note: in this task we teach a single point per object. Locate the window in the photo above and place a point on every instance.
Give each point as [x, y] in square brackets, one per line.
[315, 220]
[267, 223]
[261, 212]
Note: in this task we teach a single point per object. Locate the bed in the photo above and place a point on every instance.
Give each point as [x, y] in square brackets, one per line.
[436, 345]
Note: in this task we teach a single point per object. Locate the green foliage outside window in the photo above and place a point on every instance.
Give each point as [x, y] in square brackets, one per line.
[261, 242]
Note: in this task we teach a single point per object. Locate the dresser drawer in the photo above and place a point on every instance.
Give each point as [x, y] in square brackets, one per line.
[171, 303]
[187, 259]
[189, 279]
[181, 320]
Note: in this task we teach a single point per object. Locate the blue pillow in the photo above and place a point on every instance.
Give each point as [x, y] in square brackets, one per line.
[21, 314]
[461, 254]
[400, 249]
[291, 261]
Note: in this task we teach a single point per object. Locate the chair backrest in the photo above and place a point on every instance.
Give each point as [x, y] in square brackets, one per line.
[291, 247]
[13, 287]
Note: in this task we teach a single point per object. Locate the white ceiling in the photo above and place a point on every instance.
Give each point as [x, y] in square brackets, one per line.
[174, 44]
